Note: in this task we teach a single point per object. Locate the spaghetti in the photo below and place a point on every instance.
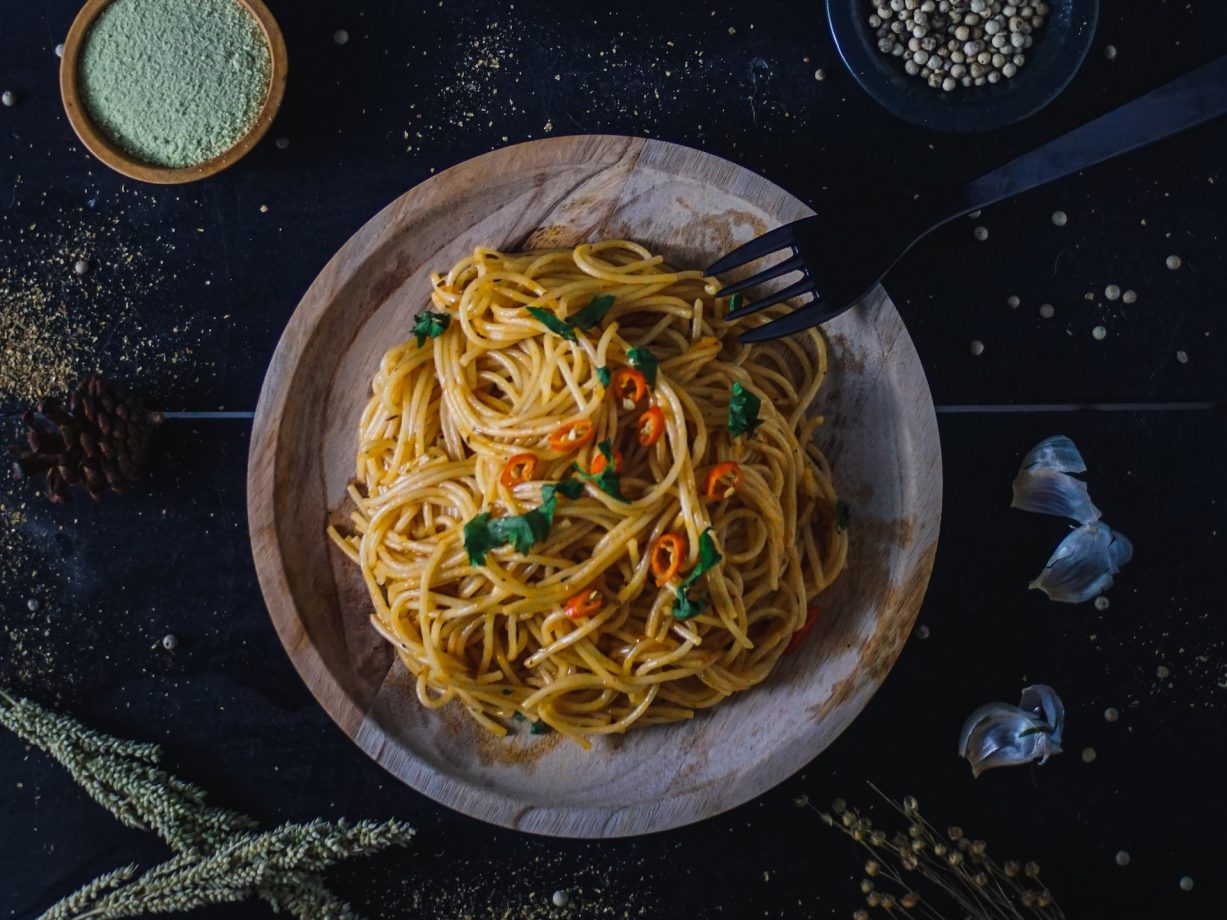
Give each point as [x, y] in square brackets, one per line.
[580, 504]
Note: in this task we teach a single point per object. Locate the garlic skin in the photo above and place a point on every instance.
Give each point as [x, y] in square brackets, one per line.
[1057, 453]
[1086, 561]
[1050, 491]
[1084, 564]
[1001, 735]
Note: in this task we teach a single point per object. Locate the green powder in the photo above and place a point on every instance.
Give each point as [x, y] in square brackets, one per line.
[174, 82]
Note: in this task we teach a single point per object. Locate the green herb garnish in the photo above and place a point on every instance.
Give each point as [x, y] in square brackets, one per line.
[734, 301]
[593, 313]
[743, 411]
[843, 515]
[551, 322]
[518, 716]
[607, 480]
[645, 362]
[685, 607]
[602, 374]
[568, 488]
[428, 325]
[483, 533]
[539, 728]
[709, 558]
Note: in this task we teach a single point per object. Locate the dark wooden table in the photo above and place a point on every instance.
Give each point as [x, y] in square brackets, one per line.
[190, 287]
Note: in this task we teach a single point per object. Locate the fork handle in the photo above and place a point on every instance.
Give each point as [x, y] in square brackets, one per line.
[1188, 101]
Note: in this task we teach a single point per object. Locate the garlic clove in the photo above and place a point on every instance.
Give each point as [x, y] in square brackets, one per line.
[1042, 701]
[1055, 453]
[1083, 564]
[1000, 735]
[1050, 491]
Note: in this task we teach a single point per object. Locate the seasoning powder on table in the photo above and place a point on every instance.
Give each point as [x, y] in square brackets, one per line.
[174, 82]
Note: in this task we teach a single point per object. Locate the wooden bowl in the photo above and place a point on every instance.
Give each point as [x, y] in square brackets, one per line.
[123, 162]
[881, 437]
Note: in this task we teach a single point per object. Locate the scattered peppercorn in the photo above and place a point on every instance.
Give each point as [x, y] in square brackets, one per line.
[561, 898]
[1089, 755]
[1102, 603]
[1111, 714]
[1174, 262]
[281, 143]
[8, 97]
[1112, 292]
[1060, 218]
[976, 347]
[1109, 52]
[1122, 857]
[1129, 296]
[1182, 357]
[33, 604]
[170, 642]
[1186, 883]
[81, 267]
[820, 74]
[980, 233]
[1100, 333]
[340, 36]
[1013, 302]
[1047, 311]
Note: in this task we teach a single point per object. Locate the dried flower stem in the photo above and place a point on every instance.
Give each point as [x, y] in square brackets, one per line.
[218, 857]
[960, 868]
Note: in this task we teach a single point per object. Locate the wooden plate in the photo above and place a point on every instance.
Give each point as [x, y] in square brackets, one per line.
[881, 436]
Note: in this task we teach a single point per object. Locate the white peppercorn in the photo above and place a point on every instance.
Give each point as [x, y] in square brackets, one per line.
[980, 233]
[1099, 333]
[1112, 292]
[1013, 302]
[340, 36]
[1110, 52]
[1047, 311]
[952, 43]
[1129, 296]
[1186, 883]
[976, 347]
[1060, 218]
[8, 98]
[1173, 262]
[81, 267]
[561, 898]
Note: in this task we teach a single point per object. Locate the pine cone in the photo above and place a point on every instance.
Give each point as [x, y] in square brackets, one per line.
[99, 442]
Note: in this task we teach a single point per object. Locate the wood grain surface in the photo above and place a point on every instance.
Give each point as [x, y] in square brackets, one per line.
[880, 435]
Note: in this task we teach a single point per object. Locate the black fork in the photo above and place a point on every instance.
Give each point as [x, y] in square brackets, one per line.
[839, 264]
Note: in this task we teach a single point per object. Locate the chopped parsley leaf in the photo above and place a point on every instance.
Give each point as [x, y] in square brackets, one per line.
[743, 411]
[646, 363]
[568, 488]
[593, 313]
[709, 558]
[551, 322]
[734, 301]
[539, 728]
[685, 607]
[602, 374]
[477, 541]
[607, 480]
[428, 325]
[843, 515]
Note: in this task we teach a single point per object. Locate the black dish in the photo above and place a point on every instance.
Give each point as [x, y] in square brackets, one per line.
[1059, 50]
